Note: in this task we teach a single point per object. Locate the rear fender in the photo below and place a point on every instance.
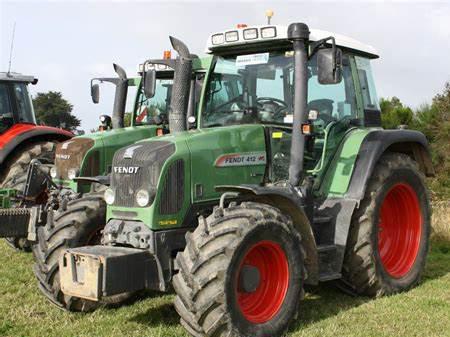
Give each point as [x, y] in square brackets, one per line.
[288, 202]
[21, 135]
[375, 144]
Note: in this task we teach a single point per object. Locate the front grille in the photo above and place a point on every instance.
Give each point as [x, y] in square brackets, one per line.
[173, 191]
[145, 160]
[70, 154]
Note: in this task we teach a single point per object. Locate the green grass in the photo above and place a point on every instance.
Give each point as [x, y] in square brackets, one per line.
[423, 311]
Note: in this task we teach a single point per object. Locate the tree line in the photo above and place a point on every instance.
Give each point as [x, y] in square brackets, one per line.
[433, 120]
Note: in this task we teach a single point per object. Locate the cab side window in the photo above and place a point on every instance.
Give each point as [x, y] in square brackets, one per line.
[367, 83]
[24, 104]
[5, 105]
[332, 101]
[149, 108]
[6, 115]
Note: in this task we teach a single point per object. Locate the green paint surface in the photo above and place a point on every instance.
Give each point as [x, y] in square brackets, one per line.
[200, 150]
[336, 178]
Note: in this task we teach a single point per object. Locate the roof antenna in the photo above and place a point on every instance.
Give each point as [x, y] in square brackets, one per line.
[269, 14]
[11, 50]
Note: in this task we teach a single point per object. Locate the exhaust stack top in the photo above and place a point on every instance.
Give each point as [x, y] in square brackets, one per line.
[120, 98]
[181, 84]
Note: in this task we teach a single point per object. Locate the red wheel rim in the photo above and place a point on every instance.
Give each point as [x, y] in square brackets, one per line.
[264, 303]
[399, 230]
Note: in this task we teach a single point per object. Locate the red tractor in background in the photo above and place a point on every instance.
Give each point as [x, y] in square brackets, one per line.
[21, 139]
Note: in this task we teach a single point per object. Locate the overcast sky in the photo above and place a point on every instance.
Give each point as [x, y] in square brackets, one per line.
[65, 44]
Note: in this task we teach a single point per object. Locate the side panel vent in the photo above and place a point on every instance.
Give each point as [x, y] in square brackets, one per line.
[92, 168]
[173, 191]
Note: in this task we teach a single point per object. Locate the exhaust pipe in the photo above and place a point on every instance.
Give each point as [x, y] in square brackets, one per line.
[120, 99]
[181, 86]
[298, 33]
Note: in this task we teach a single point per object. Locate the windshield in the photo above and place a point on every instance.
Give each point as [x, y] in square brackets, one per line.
[149, 109]
[259, 88]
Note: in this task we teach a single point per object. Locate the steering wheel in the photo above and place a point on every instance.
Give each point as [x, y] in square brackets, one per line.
[273, 100]
[281, 105]
[233, 100]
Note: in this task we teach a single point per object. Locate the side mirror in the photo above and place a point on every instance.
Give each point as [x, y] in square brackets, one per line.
[329, 65]
[149, 83]
[95, 93]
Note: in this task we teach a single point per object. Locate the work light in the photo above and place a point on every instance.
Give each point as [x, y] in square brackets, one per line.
[268, 32]
[217, 39]
[250, 34]
[231, 36]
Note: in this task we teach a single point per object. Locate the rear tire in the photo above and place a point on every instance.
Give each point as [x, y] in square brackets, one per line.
[388, 240]
[213, 296]
[80, 224]
[15, 176]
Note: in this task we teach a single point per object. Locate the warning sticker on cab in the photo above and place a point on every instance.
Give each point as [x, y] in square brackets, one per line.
[241, 159]
[246, 60]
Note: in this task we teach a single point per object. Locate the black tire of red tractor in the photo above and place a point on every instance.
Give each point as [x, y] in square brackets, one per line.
[80, 224]
[15, 176]
[363, 269]
[206, 298]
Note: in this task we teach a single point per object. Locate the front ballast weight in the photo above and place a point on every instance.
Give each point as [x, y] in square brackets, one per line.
[98, 272]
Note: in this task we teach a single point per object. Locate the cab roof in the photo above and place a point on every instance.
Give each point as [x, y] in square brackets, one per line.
[280, 37]
[16, 77]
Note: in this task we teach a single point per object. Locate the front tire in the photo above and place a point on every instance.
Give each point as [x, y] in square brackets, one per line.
[80, 224]
[389, 233]
[241, 273]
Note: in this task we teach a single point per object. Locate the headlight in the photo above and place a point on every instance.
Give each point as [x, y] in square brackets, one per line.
[142, 198]
[53, 172]
[72, 173]
[109, 196]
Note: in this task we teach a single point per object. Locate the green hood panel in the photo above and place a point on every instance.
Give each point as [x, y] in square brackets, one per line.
[214, 156]
[108, 142]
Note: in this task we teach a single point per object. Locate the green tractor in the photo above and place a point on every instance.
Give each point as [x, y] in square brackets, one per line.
[288, 180]
[82, 167]
[47, 187]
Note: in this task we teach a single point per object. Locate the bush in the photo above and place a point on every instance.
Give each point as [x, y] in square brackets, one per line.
[433, 120]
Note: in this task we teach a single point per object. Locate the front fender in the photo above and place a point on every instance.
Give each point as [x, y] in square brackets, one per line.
[288, 202]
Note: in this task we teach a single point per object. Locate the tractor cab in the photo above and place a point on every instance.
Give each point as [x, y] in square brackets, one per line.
[252, 82]
[15, 101]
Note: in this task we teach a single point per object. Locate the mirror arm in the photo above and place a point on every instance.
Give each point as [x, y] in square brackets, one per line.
[316, 45]
[113, 80]
[169, 63]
